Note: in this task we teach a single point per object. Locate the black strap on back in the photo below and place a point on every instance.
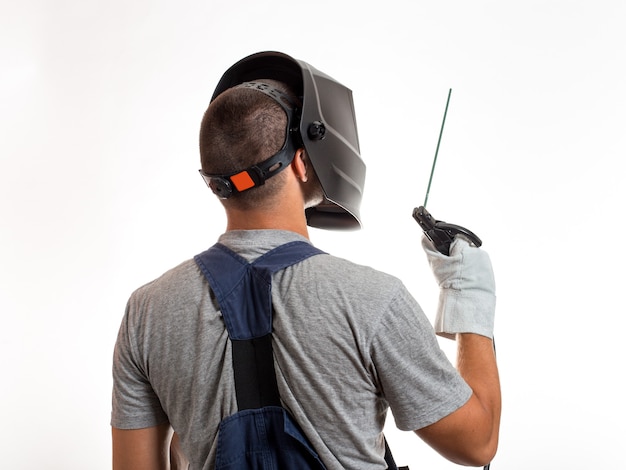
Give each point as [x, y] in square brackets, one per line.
[255, 376]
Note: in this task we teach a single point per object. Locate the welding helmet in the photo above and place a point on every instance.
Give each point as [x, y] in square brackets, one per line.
[327, 130]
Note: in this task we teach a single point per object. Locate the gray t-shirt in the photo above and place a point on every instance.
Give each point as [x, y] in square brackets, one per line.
[349, 342]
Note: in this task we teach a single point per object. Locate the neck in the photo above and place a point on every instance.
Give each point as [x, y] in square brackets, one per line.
[284, 211]
[262, 220]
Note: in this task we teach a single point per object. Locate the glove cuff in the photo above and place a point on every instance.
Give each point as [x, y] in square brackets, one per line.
[465, 312]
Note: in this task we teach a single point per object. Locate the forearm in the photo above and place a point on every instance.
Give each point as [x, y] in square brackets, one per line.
[476, 362]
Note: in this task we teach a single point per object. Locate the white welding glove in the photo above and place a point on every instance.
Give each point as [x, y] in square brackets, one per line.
[467, 289]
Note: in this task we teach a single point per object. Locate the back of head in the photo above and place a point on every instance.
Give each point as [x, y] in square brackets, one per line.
[242, 128]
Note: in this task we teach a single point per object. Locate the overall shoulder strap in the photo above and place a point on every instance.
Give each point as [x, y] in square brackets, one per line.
[243, 289]
[244, 293]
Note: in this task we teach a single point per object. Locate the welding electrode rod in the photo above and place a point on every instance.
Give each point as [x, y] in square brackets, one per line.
[432, 171]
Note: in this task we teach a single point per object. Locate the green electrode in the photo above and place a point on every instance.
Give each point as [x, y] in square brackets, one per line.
[432, 171]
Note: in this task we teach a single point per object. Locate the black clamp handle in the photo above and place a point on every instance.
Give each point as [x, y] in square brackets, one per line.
[441, 233]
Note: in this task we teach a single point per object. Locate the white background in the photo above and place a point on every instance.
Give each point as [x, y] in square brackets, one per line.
[99, 192]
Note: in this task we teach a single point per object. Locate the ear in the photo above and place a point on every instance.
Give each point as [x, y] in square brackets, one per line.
[300, 166]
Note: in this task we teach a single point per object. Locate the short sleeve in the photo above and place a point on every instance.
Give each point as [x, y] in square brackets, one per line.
[135, 405]
[417, 379]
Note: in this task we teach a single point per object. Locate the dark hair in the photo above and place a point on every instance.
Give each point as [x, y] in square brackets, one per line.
[240, 128]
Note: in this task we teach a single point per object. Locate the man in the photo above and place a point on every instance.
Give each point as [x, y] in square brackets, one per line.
[279, 147]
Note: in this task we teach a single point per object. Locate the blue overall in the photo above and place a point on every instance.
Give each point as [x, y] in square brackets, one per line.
[262, 435]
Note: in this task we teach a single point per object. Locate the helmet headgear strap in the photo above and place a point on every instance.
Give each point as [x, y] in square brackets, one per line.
[226, 185]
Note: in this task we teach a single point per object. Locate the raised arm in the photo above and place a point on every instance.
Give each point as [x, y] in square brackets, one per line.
[466, 311]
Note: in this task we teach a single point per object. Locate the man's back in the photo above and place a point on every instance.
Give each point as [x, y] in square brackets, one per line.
[348, 340]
